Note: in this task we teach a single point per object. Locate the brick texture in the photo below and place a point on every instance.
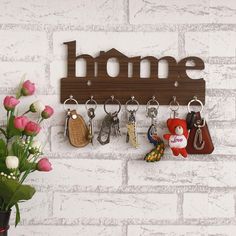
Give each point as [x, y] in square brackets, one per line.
[109, 190]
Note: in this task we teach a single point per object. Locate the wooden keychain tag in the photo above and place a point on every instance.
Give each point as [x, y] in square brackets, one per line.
[77, 129]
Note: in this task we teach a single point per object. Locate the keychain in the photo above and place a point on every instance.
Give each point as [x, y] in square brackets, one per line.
[109, 123]
[199, 141]
[156, 153]
[75, 127]
[91, 114]
[131, 136]
[178, 131]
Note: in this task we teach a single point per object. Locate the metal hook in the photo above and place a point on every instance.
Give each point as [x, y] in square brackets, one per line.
[70, 99]
[132, 99]
[195, 99]
[92, 101]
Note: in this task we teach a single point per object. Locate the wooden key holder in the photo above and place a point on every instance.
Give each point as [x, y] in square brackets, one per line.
[99, 84]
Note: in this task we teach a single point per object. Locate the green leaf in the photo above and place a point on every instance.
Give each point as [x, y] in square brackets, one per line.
[17, 220]
[3, 148]
[11, 191]
[11, 130]
[26, 165]
[3, 132]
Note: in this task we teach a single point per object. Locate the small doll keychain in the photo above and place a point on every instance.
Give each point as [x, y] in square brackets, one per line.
[177, 138]
[131, 136]
[75, 127]
[91, 106]
[199, 141]
[156, 153]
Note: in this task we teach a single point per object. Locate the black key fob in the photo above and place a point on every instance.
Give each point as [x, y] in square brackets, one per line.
[190, 119]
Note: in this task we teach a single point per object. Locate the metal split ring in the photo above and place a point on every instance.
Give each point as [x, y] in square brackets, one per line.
[70, 99]
[174, 105]
[152, 102]
[112, 99]
[195, 100]
[133, 101]
[91, 102]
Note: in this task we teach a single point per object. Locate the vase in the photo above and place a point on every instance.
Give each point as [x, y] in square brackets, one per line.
[4, 222]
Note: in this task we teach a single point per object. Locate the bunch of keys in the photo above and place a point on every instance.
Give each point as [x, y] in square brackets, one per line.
[156, 153]
[110, 123]
[199, 141]
[131, 136]
[91, 106]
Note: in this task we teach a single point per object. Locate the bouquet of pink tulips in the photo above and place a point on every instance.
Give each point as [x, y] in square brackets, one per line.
[19, 151]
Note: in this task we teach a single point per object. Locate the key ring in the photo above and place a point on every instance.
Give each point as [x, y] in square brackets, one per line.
[69, 99]
[152, 100]
[173, 103]
[132, 100]
[195, 100]
[174, 106]
[152, 109]
[91, 101]
[112, 99]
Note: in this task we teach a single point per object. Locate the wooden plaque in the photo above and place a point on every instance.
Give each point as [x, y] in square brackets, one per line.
[101, 86]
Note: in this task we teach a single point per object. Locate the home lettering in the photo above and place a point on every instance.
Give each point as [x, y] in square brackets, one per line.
[176, 70]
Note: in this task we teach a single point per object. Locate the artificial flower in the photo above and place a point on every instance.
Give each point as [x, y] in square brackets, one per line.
[37, 107]
[47, 112]
[44, 165]
[20, 122]
[12, 162]
[10, 102]
[28, 88]
[32, 128]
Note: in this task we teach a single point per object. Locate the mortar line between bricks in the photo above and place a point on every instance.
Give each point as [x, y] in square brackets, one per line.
[181, 43]
[180, 201]
[202, 27]
[126, 9]
[133, 221]
[138, 189]
[210, 60]
[124, 230]
[124, 172]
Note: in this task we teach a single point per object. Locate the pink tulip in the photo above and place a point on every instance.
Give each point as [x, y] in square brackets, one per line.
[44, 165]
[10, 102]
[20, 122]
[28, 88]
[32, 128]
[47, 112]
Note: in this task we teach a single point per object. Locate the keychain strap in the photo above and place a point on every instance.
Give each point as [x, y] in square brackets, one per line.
[3, 230]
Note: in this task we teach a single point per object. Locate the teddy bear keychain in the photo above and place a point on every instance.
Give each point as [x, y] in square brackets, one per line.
[177, 138]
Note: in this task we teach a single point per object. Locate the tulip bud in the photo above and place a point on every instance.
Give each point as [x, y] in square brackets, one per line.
[32, 128]
[44, 165]
[47, 112]
[10, 102]
[28, 88]
[12, 162]
[37, 107]
[20, 122]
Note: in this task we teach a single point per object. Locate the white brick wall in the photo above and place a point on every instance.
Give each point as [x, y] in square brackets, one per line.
[110, 190]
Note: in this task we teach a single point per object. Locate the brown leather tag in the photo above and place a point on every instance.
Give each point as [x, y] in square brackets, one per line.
[77, 130]
[208, 146]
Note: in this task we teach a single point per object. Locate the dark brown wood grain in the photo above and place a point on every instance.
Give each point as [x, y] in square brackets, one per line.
[101, 85]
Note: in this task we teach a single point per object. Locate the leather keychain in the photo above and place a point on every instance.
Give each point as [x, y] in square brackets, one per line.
[75, 128]
[199, 141]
